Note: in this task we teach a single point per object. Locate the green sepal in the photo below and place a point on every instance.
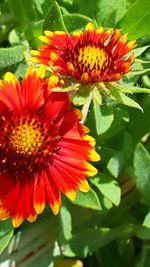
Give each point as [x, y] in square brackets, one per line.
[139, 72]
[127, 89]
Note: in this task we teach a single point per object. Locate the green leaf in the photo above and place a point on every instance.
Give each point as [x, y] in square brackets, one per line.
[6, 233]
[11, 56]
[115, 164]
[104, 117]
[75, 21]
[65, 222]
[110, 12]
[88, 8]
[124, 99]
[136, 20]
[54, 19]
[142, 172]
[121, 118]
[88, 200]
[108, 187]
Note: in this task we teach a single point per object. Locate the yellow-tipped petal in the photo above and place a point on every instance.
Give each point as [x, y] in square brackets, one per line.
[29, 71]
[35, 52]
[91, 170]
[3, 214]
[71, 195]
[124, 39]
[1, 83]
[16, 221]
[33, 59]
[109, 31]
[60, 32]
[100, 29]
[55, 208]
[79, 114]
[53, 56]
[89, 27]
[32, 218]
[53, 81]
[39, 207]
[44, 39]
[90, 139]
[85, 129]
[84, 186]
[10, 78]
[94, 156]
[48, 33]
[132, 44]
[41, 71]
[77, 33]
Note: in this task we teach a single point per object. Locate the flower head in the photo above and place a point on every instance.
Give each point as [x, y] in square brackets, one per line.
[43, 147]
[90, 56]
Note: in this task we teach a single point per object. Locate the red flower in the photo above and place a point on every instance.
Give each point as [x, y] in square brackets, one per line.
[43, 148]
[91, 56]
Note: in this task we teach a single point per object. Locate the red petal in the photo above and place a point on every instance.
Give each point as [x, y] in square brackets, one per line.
[32, 90]
[39, 194]
[10, 93]
[57, 105]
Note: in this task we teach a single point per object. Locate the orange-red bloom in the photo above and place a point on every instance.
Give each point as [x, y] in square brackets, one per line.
[43, 147]
[93, 55]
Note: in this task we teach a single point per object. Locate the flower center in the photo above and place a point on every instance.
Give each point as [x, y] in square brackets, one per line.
[88, 62]
[26, 144]
[91, 58]
[26, 137]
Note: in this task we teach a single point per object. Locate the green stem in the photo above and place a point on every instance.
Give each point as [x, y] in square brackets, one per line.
[85, 108]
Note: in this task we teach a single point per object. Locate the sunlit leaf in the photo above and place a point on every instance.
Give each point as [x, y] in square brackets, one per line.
[108, 187]
[115, 164]
[88, 200]
[136, 20]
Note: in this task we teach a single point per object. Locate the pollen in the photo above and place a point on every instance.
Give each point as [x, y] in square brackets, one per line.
[92, 58]
[26, 138]
[88, 62]
[27, 144]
